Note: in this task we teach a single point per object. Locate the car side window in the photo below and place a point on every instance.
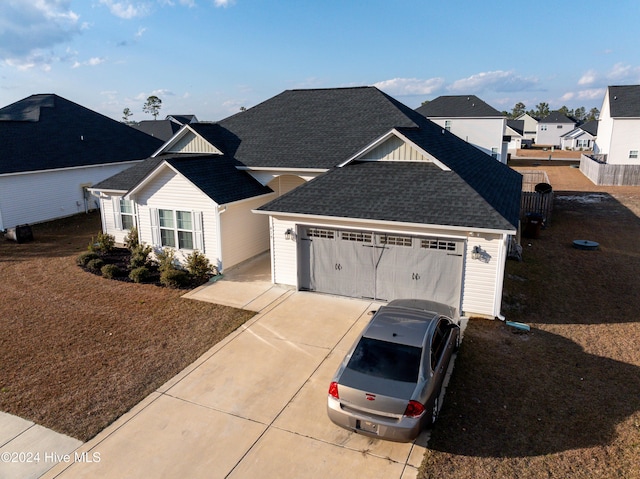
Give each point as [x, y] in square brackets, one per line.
[439, 342]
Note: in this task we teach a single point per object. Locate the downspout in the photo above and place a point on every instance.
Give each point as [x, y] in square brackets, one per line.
[500, 285]
[219, 210]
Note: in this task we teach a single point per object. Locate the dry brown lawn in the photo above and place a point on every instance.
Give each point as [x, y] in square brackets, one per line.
[562, 401]
[77, 350]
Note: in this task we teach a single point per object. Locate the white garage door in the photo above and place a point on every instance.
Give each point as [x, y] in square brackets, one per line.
[379, 265]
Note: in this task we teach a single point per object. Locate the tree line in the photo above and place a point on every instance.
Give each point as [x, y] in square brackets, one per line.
[542, 110]
[151, 106]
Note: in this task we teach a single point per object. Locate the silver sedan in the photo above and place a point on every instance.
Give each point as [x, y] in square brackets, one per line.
[388, 385]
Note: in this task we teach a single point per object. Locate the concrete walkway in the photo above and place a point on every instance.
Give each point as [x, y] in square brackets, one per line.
[28, 450]
[254, 405]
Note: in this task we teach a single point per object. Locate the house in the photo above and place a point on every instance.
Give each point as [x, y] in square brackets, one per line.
[530, 129]
[515, 131]
[164, 129]
[581, 137]
[52, 150]
[552, 127]
[471, 119]
[353, 193]
[616, 158]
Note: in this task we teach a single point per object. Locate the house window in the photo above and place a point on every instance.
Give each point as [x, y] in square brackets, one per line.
[126, 214]
[583, 143]
[176, 229]
[447, 125]
[494, 153]
[543, 127]
[633, 154]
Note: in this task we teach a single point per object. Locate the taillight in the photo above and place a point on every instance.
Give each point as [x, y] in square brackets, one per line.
[414, 409]
[333, 390]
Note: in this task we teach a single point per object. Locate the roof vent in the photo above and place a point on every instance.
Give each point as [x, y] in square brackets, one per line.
[615, 97]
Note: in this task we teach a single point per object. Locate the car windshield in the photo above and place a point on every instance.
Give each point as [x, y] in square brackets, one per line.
[382, 359]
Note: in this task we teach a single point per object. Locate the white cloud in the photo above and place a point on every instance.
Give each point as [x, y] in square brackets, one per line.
[500, 81]
[624, 73]
[224, 3]
[127, 9]
[140, 32]
[91, 62]
[588, 78]
[30, 27]
[410, 86]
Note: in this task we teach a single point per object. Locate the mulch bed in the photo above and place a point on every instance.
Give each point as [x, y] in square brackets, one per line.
[78, 350]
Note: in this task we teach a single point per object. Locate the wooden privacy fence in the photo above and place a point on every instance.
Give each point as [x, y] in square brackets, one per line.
[537, 195]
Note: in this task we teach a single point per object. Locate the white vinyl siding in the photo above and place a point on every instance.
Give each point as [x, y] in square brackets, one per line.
[483, 133]
[244, 234]
[395, 149]
[192, 143]
[28, 198]
[171, 191]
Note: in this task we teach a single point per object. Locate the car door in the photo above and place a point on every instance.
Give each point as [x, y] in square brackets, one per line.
[441, 351]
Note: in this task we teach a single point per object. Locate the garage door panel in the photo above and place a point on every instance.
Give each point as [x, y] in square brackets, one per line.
[381, 266]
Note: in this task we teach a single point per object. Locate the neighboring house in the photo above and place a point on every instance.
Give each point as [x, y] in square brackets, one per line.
[353, 192]
[616, 159]
[164, 129]
[530, 128]
[471, 119]
[580, 138]
[552, 127]
[515, 131]
[52, 150]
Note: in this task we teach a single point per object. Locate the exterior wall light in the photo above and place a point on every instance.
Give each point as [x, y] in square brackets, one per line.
[289, 234]
[476, 253]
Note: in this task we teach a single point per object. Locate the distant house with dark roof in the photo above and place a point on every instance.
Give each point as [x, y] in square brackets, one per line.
[515, 131]
[353, 193]
[471, 119]
[581, 137]
[530, 129]
[616, 159]
[552, 127]
[52, 150]
[164, 129]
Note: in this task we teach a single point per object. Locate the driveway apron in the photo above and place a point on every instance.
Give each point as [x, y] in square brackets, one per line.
[252, 406]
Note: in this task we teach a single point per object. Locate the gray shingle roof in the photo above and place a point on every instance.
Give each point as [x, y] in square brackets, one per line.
[218, 178]
[49, 132]
[478, 192]
[215, 175]
[407, 192]
[311, 128]
[557, 117]
[162, 129]
[458, 106]
[624, 101]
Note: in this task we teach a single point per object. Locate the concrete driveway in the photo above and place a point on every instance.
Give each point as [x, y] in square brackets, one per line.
[252, 406]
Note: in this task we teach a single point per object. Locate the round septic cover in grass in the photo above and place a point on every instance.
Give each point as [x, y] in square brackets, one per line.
[585, 244]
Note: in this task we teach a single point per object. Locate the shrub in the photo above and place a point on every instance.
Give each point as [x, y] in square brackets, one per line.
[110, 271]
[140, 274]
[95, 264]
[84, 258]
[131, 239]
[174, 278]
[140, 256]
[166, 259]
[198, 266]
[102, 244]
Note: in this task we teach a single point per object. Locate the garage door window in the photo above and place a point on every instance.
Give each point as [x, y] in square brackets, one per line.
[396, 240]
[438, 244]
[320, 233]
[356, 236]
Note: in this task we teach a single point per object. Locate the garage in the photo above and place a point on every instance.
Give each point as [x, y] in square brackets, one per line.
[379, 265]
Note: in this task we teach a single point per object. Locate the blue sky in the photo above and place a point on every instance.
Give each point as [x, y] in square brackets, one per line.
[211, 57]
